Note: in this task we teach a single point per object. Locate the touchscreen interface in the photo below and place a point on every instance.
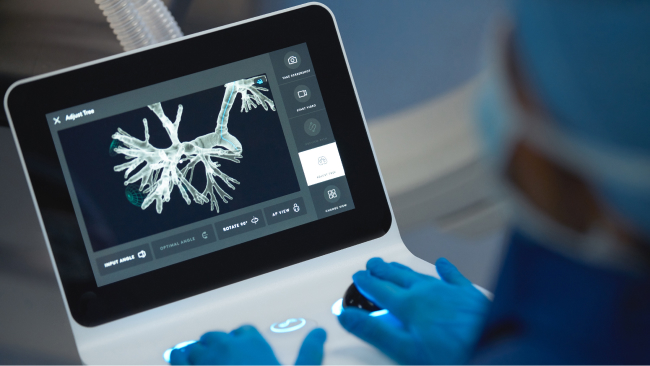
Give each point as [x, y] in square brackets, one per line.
[193, 165]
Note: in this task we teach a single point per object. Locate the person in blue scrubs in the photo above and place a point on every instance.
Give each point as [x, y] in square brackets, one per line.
[564, 113]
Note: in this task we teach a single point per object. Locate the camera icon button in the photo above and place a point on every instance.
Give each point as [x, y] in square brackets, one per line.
[292, 60]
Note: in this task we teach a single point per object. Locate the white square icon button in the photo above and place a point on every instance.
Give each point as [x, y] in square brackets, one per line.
[321, 164]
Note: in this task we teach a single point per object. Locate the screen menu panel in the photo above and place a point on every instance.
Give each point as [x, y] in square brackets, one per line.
[187, 167]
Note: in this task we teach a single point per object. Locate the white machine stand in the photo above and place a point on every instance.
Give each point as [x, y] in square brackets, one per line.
[305, 290]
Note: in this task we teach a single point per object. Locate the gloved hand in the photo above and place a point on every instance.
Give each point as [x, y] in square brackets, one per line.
[430, 321]
[245, 346]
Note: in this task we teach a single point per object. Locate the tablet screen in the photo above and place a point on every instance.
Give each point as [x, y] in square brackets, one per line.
[196, 164]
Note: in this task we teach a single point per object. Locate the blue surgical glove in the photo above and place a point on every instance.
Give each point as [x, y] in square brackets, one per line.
[245, 346]
[430, 321]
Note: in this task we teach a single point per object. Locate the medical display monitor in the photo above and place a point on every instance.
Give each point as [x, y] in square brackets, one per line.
[190, 166]
[174, 170]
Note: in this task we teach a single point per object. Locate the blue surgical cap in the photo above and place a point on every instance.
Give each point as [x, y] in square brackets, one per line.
[589, 63]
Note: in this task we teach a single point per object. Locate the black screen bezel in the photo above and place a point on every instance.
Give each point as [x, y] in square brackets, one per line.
[90, 305]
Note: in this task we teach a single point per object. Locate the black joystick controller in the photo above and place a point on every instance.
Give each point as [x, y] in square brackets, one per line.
[354, 298]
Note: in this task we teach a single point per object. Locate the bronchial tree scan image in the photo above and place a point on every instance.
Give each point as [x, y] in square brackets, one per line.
[162, 169]
[176, 162]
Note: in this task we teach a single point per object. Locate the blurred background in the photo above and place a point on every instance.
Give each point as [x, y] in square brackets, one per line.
[428, 51]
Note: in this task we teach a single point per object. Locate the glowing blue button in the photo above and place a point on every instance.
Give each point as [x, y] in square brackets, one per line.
[337, 307]
[167, 354]
[378, 313]
[288, 325]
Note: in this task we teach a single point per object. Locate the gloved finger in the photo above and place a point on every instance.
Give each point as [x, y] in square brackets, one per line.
[311, 351]
[179, 357]
[247, 337]
[400, 265]
[198, 354]
[215, 339]
[391, 340]
[250, 335]
[385, 294]
[393, 272]
[245, 331]
[449, 273]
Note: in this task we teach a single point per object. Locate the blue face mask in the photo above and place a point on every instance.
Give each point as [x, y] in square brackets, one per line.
[588, 63]
[610, 169]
